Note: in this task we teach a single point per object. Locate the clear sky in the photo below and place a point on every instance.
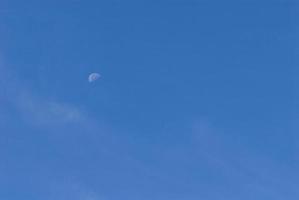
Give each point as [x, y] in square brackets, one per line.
[197, 100]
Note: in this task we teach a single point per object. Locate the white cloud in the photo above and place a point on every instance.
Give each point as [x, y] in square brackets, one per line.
[50, 115]
[70, 189]
[235, 160]
[47, 112]
[33, 108]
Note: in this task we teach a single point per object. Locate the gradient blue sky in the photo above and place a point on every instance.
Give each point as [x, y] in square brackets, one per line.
[198, 100]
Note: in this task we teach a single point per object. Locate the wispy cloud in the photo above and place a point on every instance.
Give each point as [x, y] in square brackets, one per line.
[231, 156]
[35, 109]
[71, 189]
[40, 111]
[48, 114]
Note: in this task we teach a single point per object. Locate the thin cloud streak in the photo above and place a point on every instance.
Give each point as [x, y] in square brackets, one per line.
[45, 112]
[256, 172]
[36, 110]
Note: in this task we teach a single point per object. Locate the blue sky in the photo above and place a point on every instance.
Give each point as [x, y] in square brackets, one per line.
[197, 100]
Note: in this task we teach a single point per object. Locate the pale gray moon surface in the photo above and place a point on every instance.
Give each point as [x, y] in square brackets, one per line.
[93, 77]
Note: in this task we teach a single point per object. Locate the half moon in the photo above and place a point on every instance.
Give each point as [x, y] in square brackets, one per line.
[93, 77]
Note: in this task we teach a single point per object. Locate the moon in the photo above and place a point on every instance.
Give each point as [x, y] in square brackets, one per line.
[93, 77]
